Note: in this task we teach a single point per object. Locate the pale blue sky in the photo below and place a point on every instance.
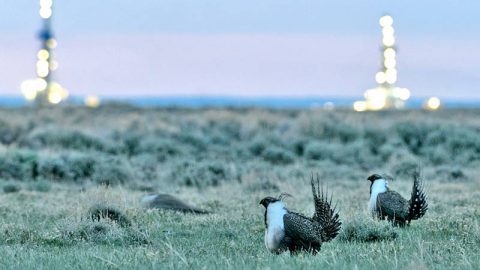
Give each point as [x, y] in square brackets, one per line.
[250, 47]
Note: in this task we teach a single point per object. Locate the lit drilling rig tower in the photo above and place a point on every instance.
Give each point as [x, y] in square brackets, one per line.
[44, 90]
[386, 95]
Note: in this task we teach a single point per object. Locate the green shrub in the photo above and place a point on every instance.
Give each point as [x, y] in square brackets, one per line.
[194, 139]
[298, 146]
[218, 138]
[63, 139]
[263, 185]
[112, 171]
[437, 155]
[441, 143]
[374, 139]
[464, 144]
[231, 129]
[82, 165]
[366, 229]
[414, 134]
[385, 151]
[277, 155]
[203, 174]
[146, 166]
[18, 164]
[354, 153]
[405, 168]
[162, 147]
[40, 185]
[453, 143]
[77, 167]
[257, 146]
[66, 167]
[330, 129]
[54, 168]
[316, 150]
[8, 133]
[450, 174]
[11, 187]
[130, 142]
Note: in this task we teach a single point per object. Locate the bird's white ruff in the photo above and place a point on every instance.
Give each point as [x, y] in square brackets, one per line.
[275, 227]
[379, 186]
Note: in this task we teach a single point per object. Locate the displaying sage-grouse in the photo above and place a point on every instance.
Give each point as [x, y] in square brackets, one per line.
[388, 204]
[286, 230]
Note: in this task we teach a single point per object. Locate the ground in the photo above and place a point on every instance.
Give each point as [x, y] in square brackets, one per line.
[56, 163]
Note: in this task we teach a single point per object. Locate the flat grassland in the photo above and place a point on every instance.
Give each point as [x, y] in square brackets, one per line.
[57, 163]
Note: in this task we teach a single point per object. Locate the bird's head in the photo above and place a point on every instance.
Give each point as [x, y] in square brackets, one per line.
[372, 178]
[268, 200]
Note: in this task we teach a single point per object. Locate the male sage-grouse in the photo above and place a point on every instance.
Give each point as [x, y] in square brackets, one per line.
[286, 230]
[388, 204]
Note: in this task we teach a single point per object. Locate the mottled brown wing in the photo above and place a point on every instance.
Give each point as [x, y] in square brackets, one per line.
[302, 229]
[392, 205]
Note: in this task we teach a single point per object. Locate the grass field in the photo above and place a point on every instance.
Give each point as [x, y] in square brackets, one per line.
[56, 163]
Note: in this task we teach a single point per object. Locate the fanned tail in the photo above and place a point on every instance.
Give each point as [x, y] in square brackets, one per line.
[324, 213]
[418, 200]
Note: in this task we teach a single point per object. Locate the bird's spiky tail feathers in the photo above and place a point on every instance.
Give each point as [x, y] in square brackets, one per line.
[324, 213]
[418, 200]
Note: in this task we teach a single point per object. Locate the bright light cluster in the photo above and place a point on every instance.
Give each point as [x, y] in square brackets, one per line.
[389, 71]
[43, 88]
[56, 93]
[46, 9]
[92, 101]
[377, 98]
[433, 103]
[45, 65]
[385, 95]
[52, 43]
[30, 88]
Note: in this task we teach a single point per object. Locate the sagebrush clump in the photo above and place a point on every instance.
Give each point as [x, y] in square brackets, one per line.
[201, 148]
[366, 229]
[202, 174]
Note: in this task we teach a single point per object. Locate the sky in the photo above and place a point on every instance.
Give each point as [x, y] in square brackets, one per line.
[245, 48]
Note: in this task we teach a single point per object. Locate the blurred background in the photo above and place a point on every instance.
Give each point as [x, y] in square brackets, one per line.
[271, 49]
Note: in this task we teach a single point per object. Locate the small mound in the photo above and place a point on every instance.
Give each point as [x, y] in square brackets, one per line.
[169, 202]
[366, 229]
[99, 212]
